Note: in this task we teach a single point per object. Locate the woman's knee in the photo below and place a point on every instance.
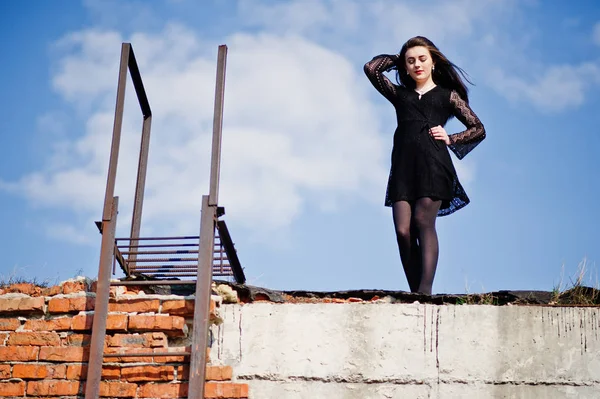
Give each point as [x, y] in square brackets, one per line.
[403, 232]
[401, 212]
[425, 214]
[424, 220]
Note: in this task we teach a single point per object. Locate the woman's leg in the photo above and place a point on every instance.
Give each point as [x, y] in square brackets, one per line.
[406, 237]
[425, 214]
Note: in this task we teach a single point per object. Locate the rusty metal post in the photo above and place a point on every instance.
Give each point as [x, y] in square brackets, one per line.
[94, 374]
[202, 300]
[207, 239]
[138, 203]
[116, 137]
[215, 167]
[109, 225]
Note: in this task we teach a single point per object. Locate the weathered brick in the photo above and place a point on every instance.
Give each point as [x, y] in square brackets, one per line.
[148, 373]
[117, 389]
[158, 340]
[335, 300]
[113, 290]
[163, 390]
[219, 373]
[145, 340]
[52, 387]
[179, 307]
[51, 291]
[114, 322]
[21, 304]
[117, 322]
[71, 305]
[9, 324]
[134, 289]
[55, 397]
[225, 390]
[111, 372]
[79, 372]
[18, 353]
[183, 372]
[33, 338]
[4, 371]
[71, 287]
[184, 307]
[174, 358]
[39, 371]
[213, 373]
[78, 340]
[64, 354]
[58, 324]
[83, 322]
[12, 388]
[134, 305]
[117, 291]
[24, 288]
[171, 325]
[127, 340]
[3, 337]
[76, 372]
[148, 359]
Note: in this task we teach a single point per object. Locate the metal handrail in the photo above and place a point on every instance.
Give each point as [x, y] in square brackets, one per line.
[216, 253]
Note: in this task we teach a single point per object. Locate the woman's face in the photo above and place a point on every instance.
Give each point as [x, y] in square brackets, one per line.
[418, 63]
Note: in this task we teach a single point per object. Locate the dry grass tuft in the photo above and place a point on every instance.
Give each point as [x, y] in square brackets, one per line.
[582, 289]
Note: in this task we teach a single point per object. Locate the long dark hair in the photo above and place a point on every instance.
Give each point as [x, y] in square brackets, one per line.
[445, 74]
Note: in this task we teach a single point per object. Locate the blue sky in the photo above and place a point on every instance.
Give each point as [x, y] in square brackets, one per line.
[306, 138]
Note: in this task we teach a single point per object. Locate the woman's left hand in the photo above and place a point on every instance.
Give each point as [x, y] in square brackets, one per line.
[439, 133]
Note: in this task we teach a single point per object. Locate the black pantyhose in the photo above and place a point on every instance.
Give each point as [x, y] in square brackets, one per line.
[417, 241]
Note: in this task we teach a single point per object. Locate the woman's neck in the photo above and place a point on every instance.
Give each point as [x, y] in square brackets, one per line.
[428, 83]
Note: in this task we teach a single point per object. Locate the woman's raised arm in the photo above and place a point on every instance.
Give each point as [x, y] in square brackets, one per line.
[374, 70]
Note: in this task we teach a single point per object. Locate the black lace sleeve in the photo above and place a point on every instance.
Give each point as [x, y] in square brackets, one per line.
[374, 70]
[462, 143]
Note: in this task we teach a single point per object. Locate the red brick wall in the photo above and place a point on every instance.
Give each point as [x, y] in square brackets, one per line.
[45, 336]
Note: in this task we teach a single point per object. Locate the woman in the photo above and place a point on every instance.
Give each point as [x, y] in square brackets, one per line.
[423, 183]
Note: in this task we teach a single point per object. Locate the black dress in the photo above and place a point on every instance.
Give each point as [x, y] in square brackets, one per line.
[421, 166]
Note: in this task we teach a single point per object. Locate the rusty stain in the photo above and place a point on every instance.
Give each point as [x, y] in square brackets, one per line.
[431, 331]
[558, 323]
[424, 328]
[437, 343]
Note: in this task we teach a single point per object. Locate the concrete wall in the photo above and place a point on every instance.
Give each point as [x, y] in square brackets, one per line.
[380, 350]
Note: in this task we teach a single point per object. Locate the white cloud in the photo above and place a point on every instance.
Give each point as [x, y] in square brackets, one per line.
[86, 54]
[557, 88]
[383, 26]
[296, 16]
[377, 24]
[298, 129]
[131, 13]
[69, 233]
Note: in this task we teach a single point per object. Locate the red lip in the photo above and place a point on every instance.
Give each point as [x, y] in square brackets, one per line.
[419, 72]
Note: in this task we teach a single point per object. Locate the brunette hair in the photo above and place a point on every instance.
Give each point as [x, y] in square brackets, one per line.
[445, 74]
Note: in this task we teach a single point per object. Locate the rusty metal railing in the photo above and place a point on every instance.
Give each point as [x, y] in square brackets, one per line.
[164, 260]
[175, 257]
